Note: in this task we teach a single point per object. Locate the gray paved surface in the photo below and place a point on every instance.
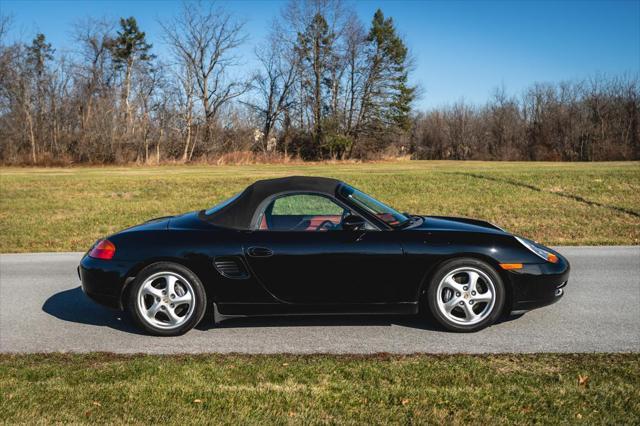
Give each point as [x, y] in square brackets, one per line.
[42, 309]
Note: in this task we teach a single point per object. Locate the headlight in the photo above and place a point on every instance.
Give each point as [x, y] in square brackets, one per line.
[540, 252]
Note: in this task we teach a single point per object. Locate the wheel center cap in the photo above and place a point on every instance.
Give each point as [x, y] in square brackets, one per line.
[466, 295]
[165, 300]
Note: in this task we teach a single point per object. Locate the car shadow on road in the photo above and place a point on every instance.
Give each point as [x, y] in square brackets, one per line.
[320, 321]
[74, 306]
[420, 322]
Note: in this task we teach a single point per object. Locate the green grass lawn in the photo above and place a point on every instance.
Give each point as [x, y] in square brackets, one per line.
[281, 389]
[57, 209]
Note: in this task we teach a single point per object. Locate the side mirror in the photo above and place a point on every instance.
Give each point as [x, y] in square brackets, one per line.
[352, 222]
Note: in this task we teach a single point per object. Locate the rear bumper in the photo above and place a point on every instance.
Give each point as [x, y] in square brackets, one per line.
[104, 280]
[538, 285]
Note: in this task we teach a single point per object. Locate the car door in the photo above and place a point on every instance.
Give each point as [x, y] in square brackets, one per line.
[301, 254]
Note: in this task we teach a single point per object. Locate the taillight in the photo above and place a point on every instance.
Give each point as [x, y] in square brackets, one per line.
[105, 250]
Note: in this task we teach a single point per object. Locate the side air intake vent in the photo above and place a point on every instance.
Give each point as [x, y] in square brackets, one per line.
[231, 267]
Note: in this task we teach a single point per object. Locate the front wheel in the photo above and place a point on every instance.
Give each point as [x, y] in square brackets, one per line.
[466, 295]
[167, 299]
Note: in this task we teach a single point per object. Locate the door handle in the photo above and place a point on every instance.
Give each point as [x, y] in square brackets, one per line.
[259, 252]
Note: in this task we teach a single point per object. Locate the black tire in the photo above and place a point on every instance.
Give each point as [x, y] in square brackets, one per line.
[492, 314]
[199, 299]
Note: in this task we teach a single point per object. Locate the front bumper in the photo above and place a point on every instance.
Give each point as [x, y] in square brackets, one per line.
[538, 285]
[104, 280]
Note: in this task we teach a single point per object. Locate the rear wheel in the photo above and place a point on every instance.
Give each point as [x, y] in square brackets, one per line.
[167, 299]
[466, 295]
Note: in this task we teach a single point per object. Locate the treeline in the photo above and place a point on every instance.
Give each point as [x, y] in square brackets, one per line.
[325, 83]
[592, 120]
[327, 86]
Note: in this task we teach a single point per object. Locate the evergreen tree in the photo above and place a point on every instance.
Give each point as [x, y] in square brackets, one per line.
[315, 47]
[128, 48]
[388, 97]
[38, 54]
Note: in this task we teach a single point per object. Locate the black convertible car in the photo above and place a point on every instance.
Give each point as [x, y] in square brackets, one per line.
[301, 245]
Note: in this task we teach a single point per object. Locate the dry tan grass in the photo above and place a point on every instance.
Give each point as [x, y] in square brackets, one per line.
[59, 209]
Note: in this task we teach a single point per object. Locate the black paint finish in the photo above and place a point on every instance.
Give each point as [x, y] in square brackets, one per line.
[338, 271]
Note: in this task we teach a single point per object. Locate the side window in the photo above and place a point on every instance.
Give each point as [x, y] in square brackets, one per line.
[302, 212]
[305, 205]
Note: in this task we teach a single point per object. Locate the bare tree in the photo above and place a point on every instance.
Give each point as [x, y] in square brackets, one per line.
[186, 92]
[148, 84]
[273, 83]
[95, 79]
[355, 44]
[317, 26]
[204, 39]
[5, 24]
[7, 54]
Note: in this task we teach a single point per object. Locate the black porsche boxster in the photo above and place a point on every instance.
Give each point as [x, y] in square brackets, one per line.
[309, 245]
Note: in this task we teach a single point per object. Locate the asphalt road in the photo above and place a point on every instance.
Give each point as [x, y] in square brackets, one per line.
[43, 309]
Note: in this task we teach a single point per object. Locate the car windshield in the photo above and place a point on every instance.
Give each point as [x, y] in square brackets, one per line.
[222, 204]
[373, 206]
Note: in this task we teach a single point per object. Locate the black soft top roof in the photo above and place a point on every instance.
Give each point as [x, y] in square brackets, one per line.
[241, 212]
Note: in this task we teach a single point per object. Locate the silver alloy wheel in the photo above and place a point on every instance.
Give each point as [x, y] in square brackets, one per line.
[166, 300]
[466, 296]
